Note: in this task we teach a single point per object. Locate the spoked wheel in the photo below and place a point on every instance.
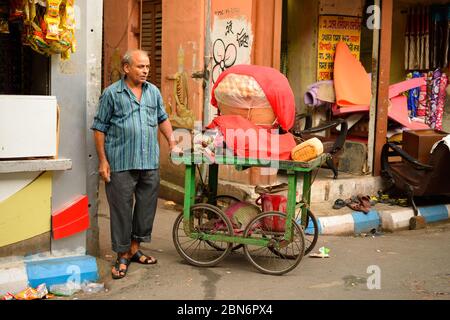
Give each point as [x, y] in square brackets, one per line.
[311, 233]
[280, 256]
[310, 229]
[206, 219]
[223, 202]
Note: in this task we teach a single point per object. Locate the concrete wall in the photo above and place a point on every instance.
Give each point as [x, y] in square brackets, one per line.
[302, 46]
[76, 85]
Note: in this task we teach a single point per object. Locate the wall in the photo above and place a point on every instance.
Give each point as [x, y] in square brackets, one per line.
[76, 85]
[120, 26]
[183, 35]
[302, 46]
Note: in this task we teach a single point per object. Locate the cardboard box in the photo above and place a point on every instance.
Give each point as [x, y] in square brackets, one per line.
[418, 143]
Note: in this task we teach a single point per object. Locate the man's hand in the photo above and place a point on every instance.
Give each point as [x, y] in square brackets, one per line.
[176, 150]
[104, 170]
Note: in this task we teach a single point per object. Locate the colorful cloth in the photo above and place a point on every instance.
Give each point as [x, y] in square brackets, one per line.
[423, 100]
[413, 96]
[434, 98]
[320, 93]
[441, 101]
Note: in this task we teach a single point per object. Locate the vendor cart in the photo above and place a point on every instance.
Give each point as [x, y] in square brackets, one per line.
[274, 242]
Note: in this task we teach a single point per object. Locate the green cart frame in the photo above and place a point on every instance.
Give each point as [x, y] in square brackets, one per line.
[273, 241]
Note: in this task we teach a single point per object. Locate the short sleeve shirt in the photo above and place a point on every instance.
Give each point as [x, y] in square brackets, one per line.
[130, 126]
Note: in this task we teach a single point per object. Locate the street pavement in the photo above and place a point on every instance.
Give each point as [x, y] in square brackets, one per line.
[406, 265]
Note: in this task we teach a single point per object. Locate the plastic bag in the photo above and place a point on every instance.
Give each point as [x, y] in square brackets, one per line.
[92, 287]
[66, 289]
[241, 91]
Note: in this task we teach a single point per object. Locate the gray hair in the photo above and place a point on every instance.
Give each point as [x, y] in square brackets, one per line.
[128, 56]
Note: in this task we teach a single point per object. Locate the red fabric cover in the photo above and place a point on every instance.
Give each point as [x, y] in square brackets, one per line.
[261, 147]
[275, 86]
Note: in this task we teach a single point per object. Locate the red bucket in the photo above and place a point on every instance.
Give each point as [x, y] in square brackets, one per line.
[273, 202]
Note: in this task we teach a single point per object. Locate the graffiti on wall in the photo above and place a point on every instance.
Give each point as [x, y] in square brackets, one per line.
[232, 41]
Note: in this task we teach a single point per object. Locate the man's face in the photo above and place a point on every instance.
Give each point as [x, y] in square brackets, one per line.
[138, 70]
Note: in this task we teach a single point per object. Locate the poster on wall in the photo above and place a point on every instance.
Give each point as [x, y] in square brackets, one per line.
[231, 37]
[333, 29]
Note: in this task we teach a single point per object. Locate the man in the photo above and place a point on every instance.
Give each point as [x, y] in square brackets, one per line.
[125, 133]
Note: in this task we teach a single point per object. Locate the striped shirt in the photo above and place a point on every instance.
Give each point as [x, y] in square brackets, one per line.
[130, 126]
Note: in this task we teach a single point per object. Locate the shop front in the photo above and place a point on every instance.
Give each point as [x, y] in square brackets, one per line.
[50, 84]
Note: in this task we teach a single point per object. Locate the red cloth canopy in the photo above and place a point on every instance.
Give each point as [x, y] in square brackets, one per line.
[275, 86]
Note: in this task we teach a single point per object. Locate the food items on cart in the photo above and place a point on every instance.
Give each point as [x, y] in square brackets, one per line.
[205, 143]
[308, 150]
[242, 87]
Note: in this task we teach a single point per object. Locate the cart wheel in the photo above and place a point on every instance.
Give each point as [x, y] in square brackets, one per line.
[311, 230]
[206, 219]
[311, 234]
[280, 256]
[223, 202]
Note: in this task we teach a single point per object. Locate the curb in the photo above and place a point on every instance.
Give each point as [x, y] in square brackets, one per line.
[385, 220]
[22, 272]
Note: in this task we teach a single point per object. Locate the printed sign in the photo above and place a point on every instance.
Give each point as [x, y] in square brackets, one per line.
[333, 29]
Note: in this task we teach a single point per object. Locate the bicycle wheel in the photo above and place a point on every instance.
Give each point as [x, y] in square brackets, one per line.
[280, 256]
[206, 219]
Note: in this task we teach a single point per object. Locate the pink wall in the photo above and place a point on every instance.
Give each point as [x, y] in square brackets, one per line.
[183, 26]
[120, 16]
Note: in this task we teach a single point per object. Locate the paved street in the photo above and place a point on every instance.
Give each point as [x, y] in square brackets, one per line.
[413, 265]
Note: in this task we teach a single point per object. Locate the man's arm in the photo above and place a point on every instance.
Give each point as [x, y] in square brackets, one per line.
[167, 131]
[103, 164]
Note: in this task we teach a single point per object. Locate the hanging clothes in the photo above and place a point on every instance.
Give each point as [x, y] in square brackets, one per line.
[413, 96]
[434, 98]
[439, 36]
[423, 99]
[417, 38]
[441, 101]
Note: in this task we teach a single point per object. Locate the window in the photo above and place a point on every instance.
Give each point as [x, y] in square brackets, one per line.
[151, 37]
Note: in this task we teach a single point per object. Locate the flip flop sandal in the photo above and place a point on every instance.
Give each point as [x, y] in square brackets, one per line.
[355, 206]
[122, 272]
[365, 202]
[148, 259]
[339, 204]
